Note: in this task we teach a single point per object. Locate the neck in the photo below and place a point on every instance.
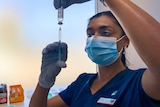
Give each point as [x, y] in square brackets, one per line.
[106, 73]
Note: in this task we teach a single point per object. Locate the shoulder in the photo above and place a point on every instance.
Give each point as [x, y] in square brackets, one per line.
[86, 75]
[136, 84]
[132, 88]
[130, 76]
[73, 89]
[81, 79]
[136, 71]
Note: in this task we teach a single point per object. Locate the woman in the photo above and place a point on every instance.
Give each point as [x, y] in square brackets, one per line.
[114, 84]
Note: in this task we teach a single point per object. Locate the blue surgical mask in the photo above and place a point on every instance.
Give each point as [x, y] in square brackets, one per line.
[102, 50]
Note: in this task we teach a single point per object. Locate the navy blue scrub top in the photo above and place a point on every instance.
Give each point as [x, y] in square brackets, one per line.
[124, 90]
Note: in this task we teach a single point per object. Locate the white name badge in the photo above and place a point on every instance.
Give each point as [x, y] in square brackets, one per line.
[107, 101]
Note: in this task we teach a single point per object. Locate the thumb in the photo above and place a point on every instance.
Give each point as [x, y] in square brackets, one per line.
[61, 64]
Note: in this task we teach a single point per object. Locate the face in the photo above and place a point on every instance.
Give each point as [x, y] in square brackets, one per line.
[106, 26]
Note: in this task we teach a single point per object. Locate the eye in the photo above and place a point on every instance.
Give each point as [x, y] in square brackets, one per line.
[89, 35]
[106, 34]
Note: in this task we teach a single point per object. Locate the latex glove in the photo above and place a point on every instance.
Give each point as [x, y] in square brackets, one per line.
[67, 3]
[51, 66]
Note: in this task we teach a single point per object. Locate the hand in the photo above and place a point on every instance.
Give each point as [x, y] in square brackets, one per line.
[67, 3]
[51, 65]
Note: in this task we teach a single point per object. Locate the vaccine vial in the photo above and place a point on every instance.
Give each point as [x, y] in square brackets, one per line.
[60, 16]
[3, 93]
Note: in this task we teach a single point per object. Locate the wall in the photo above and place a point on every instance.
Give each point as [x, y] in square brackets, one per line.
[151, 7]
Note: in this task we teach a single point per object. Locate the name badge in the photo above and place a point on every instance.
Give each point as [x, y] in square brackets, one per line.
[107, 101]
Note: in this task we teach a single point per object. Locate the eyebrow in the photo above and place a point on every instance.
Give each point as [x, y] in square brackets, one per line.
[100, 28]
[106, 27]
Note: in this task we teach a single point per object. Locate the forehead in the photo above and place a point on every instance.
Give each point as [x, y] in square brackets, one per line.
[103, 21]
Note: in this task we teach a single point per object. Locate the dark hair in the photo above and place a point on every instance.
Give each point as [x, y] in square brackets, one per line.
[109, 13]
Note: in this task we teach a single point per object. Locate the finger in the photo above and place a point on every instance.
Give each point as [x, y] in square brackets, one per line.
[57, 4]
[63, 44]
[56, 45]
[66, 3]
[64, 50]
[51, 47]
[61, 64]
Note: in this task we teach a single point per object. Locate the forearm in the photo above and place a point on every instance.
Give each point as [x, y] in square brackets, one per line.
[141, 28]
[39, 97]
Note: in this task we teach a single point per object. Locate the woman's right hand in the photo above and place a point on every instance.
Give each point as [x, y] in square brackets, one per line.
[67, 3]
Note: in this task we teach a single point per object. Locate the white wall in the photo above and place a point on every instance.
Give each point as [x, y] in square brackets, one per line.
[150, 6]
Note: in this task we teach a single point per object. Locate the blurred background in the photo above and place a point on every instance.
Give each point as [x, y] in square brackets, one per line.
[27, 26]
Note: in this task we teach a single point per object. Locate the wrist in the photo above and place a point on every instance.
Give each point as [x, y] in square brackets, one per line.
[42, 87]
[46, 84]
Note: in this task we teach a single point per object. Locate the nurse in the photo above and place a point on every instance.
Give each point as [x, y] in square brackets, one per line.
[114, 84]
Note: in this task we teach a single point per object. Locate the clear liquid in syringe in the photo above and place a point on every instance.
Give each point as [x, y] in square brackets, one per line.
[60, 16]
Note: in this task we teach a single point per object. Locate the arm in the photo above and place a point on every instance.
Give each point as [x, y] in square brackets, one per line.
[39, 99]
[144, 32]
[50, 68]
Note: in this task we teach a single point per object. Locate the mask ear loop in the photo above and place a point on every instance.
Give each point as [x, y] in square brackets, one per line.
[122, 47]
[120, 38]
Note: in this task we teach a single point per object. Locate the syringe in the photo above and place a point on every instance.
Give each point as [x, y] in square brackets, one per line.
[60, 15]
[60, 22]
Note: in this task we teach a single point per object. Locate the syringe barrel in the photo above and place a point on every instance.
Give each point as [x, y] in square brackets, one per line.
[60, 15]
